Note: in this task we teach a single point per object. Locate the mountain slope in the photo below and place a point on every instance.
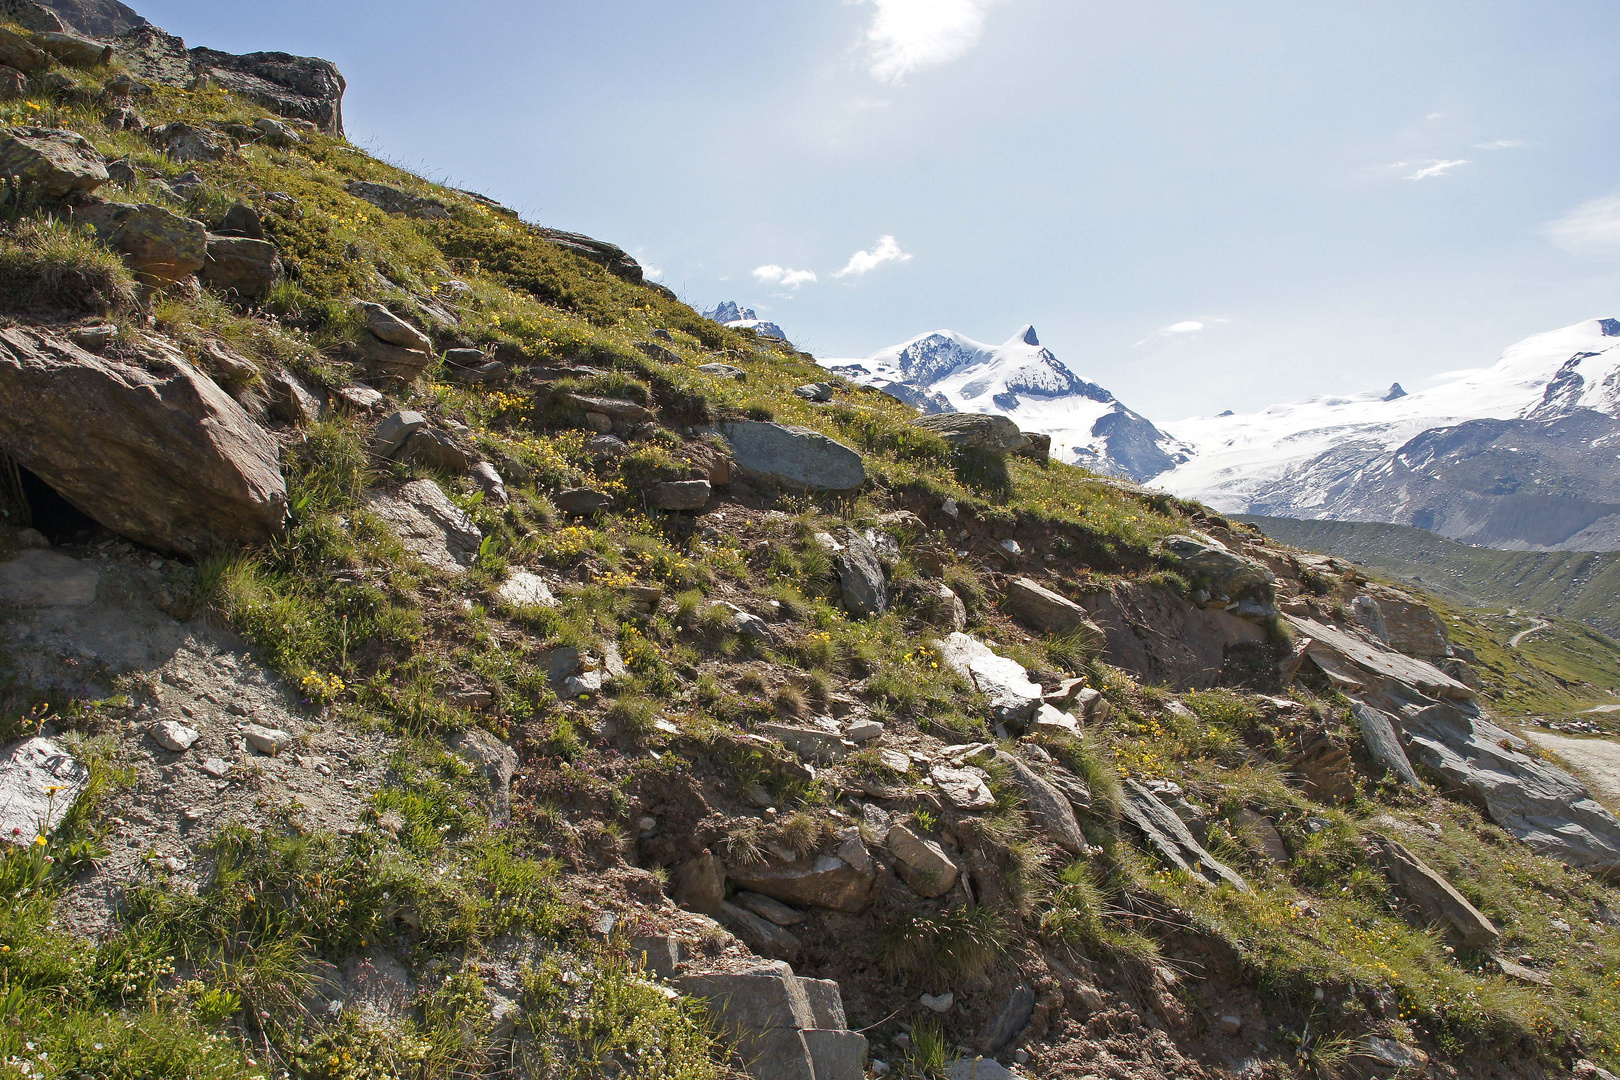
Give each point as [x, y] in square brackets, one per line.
[1580, 585]
[949, 372]
[1518, 455]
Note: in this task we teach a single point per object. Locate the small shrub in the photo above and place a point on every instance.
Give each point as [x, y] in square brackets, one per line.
[963, 942]
[46, 265]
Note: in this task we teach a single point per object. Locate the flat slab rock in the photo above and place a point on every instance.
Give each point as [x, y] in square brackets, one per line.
[39, 579]
[1013, 698]
[1536, 801]
[429, 525]
[1379, 660]
[39, 780]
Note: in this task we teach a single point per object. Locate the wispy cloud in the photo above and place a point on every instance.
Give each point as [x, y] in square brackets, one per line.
[1592, 228]
[886, 250]
[1183, 329]
[1433, 169]
[783, 276]
[907, 36]
[1501, 144]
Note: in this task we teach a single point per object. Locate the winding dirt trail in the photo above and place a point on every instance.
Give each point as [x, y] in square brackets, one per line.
[1540, 624]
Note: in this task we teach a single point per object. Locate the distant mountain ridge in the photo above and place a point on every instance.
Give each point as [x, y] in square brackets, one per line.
[945, 371]
[728, 313]
[1523, 455]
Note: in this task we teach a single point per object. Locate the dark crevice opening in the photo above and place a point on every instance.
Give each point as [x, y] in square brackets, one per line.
[30, 503]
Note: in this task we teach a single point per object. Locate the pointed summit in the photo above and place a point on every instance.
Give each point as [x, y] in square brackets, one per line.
[1396, 392]
[1026, 335]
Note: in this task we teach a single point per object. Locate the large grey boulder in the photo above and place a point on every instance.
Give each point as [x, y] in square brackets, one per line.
[158, 244]
[1160, 638]
[156, 452]
[38, 782]
[760, 934]
[680, 494]
[429, 525]
[841, 882]
[820, 746]
[797, 457]
[1441, 904]
[612, 258]
[50, 161]
[864, 586]
[785, 1027]
[1534, 800]
[188, 142]
[392, 362]
[20, 54]
[31, 16]
[1041, 609]
[975, 431]
[387, 326]
[1013, 697]
[242, 266]
[1169, 836]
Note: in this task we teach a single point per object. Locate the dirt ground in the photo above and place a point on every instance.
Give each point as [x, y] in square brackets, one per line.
[1595, 761]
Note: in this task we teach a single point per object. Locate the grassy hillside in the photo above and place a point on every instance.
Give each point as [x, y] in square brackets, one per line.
[1579, 585]
[619, 788]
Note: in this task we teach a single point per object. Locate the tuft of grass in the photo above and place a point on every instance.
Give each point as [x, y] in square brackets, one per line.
[49, 266]
[961, 943]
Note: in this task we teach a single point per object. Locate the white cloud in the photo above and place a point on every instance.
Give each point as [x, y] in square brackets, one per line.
[1435, 168]
[887, 249]
[783, 276]
[1591, 228]
[1184, 328]
[910, 35]
[1191, 326]
[1434, 116]
[1500, 144]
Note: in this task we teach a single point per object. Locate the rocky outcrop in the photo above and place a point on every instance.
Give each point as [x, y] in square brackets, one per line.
[612, 258]
[100, 18]
[863, 585]
[785, 1027]
[494, 760]
[795, 457]
[921, 862]
[392, 347]
[158, 453]
[1354, 663]
[300, 87]
[1378, 733]
[1534, 800]
[1224, 576]
[1160, 638]
[51, 162]
[1046, 805]
[395, 200]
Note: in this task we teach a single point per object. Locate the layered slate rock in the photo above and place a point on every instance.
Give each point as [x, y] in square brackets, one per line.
[1378, 733]
[785, 1027]
[429, 525]
[1169, 836]
[1440, 903]
[612, 258]
[1050, 809]
[396, 200]
[794, 456]
[157, 453]
[242, 266]
[1160, 638]
[1224, 574]
[861, 581]
[1340, 654]
[1534, 800]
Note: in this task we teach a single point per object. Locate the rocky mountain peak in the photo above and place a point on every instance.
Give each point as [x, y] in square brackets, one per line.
[1026, 335]
[1395, 392]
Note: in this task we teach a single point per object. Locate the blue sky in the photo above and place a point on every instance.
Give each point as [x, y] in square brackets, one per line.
[1200, 206]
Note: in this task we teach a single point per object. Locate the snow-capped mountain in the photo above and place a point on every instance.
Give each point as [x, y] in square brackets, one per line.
[740, 318]
[948, 372]
[1522, 454]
